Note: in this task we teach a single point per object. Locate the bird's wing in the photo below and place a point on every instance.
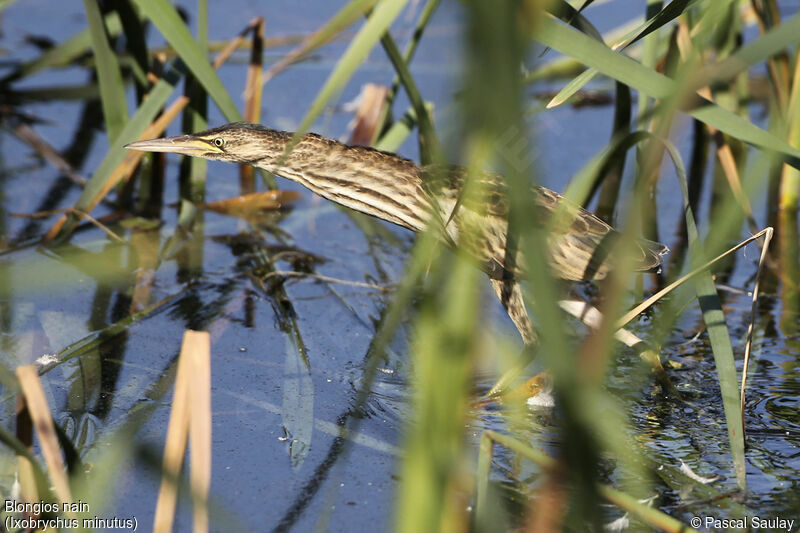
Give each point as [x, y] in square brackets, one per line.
[579, 248]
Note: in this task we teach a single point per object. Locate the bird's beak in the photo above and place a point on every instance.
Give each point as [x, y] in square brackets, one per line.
[185, 144]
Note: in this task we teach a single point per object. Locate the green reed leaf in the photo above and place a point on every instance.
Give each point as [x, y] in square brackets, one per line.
[624, 69]
[366, 38]
[109, 77]
[164, 16]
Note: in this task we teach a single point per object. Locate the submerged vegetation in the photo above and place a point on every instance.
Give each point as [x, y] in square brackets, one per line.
[474, 454]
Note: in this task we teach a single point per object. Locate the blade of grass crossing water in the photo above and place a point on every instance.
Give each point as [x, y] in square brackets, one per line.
[342, 19]
[707, 295]
[430, 148]
[647, 514]
[193, 169]
[422, 23]
[718, 334]
[109, 77]
[672, 11]
[648, 60]
[116, 153]
[573, 43]
[366, 38]
[164, 16]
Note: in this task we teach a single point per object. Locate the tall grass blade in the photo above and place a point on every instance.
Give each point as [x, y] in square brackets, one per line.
[430, 148]
[342, 19]
[116, 152]
[366, 38]
[769, 44]
[109, 77]
[164, 16]
[672, 11]
[573, 43]
[422, 23]
[573, 17]
[714, 319]
[134, 29]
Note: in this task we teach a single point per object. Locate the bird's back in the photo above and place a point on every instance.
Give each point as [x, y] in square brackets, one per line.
[582, 247]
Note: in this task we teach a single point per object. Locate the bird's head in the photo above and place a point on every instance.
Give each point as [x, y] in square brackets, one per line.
[239, 142]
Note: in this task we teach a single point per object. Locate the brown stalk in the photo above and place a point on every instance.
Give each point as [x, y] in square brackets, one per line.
[748, 344]
[199, 353]
[175, 446]
[77, 213]
[252, 204]
[39, 411]
[29, 135]
[368, 115]
[252, 97]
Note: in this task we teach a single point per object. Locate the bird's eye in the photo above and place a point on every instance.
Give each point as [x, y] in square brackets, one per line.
[219, 142]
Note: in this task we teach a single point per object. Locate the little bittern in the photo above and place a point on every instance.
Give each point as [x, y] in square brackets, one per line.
[395, 189]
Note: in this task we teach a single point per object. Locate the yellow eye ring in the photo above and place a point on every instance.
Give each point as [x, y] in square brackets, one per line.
[219, 142]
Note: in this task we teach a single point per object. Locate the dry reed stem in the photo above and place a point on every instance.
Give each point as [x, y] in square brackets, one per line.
[748, 344]
[190, 419]
[199, 353]
[253, 203]
[175, 446]
[77, 213]
[633, 313]
[29, 135]
[33, 392]
[327, 279]
[368, 115]
[252, 96]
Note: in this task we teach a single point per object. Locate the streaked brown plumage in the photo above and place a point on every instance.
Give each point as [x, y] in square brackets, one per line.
[395, 189]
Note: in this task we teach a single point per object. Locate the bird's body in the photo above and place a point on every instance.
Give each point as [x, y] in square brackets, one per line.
[395, 189]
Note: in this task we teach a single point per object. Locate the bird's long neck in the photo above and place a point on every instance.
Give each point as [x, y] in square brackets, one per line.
[366, 180]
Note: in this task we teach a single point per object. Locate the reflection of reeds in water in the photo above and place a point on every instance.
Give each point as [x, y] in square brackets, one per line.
[697, 47]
